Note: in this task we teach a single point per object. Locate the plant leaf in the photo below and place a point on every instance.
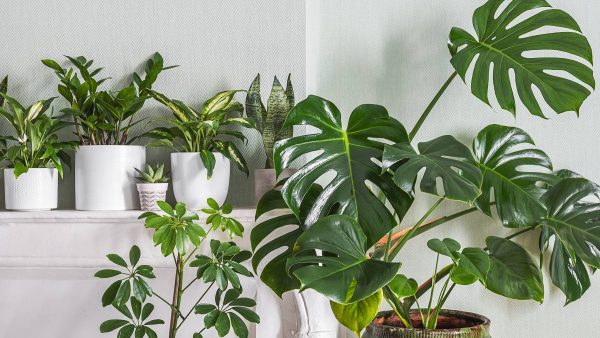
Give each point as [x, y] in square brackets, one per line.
[343, 273]
[347, 153]
[356, 316]
[505, 48]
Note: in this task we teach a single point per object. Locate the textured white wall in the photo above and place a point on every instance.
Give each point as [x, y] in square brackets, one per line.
[218, 44]
[394, 53]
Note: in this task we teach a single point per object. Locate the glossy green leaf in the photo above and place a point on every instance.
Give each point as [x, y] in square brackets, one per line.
[134, 255]
[222, 324]
[349, 154]
[570, 276]
[513, 273]
[278, 107]
[126, 331]
[444, 158]
[447, 247]
[403, 286]
[472, 265]
[254, 107]
[123, 293]
[238, 325]
[356, 316]
[343, 273]
[209, 161]
[117, 260]
[111, 293]
[504, 39]
[512, 168]
[248, 314]
[112, 324]
[107, 273]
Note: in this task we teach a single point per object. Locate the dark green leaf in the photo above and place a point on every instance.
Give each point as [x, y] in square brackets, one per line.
[403, 286]
[204, 308]
[117, 260]
[238, 325]
[111, 325]
[123, 293]
[222, 325]
[248, 314]
[107, 273]
[126, 331]
[110, 294]
[134, 255]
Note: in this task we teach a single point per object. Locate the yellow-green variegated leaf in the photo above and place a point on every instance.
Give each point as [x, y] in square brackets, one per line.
[218, 102]
[356, 316]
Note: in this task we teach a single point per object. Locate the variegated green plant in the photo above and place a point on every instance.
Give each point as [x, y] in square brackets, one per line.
[34, 142]
[201, 131]
[269, 121]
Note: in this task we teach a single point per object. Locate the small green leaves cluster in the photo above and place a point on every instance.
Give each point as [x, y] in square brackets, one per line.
[201, 131]
[127, 294]
[34, 142]
[153, 174]
[218, 218]
[174, 230]
[223, 266]
[103, 116]
[226, 312]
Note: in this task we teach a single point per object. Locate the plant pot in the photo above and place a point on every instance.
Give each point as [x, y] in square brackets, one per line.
[191, 184]
[264, 180]
[150, 193]
[105, 176]
[451, 324]
[37, 189]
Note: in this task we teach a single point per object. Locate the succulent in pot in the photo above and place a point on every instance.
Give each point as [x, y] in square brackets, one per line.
[344, 242]
[269, 123]
[200, 165]
[34, 153]
[103, 120]
[152, 186]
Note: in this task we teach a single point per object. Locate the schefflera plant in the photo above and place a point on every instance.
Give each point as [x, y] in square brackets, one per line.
[35, 142]
[178, 234]
[338, 236]
[270, 121]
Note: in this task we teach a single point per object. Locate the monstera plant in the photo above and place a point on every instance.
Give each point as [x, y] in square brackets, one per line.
[339, 237]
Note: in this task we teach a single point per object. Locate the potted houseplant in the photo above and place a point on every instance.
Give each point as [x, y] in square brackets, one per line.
[104, 162]
[152, 186]
[34, 154]
[343, 242]
[201, 162]
[269, 123]
[179, 234]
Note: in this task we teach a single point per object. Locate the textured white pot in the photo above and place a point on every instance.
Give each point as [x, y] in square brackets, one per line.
[105, 176]
[150, 193]
[37, 189]
[190, 180]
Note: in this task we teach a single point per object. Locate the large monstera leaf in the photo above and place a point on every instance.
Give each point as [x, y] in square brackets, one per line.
[342, 272]
[502, 40]
[443, 157]
[276, 232]
[351, 155]
[512, 168]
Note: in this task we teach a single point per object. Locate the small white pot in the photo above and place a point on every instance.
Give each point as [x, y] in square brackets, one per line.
[150, 193]
[37, 189]
[105, 176]
[190, 180]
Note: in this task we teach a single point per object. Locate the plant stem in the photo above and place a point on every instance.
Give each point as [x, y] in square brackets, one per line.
[413, 230]
[177, 292]
[198, 301]
[397, 306]
[433, 278]
[425, 113]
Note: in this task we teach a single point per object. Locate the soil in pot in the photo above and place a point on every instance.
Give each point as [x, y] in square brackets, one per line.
[451, 324]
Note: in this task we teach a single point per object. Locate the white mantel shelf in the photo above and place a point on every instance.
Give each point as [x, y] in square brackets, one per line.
[81, 239]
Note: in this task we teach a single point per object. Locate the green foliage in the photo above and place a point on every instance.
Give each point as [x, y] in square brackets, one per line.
[270, 121]
[152, 174]
[356, 316]
[203, 131]
[34, 142]
[218, 218]
[505, 47]
[103, 116]
[175, 232]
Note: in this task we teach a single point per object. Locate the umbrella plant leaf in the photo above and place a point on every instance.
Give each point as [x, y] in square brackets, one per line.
[502, 43]
[348, 154]
[512, 168]
[343, 272]
[443, 157]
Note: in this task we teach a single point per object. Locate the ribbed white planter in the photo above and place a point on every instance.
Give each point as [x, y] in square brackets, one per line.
[190, 180]
[150, 193]
[37, 189]
[105, 176]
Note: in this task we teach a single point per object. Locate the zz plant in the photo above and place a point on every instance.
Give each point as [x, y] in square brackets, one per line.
[34, 142]
[178, 234]
[342, 243]
[203, 131]
[269, 121]
[103, 117]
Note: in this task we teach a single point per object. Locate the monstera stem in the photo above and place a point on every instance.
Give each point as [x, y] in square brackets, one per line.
[425, 113]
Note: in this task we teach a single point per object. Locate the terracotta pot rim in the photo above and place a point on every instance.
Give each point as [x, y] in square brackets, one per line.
[448, 312]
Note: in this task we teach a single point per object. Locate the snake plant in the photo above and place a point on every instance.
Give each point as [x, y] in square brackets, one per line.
[269, 121]
[338, 236]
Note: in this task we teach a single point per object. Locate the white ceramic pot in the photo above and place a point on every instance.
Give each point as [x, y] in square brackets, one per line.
[150, 193]
[37, 189]
[190, 180]
[105, 176]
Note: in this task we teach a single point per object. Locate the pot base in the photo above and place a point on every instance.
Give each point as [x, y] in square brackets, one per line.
[451, 324]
